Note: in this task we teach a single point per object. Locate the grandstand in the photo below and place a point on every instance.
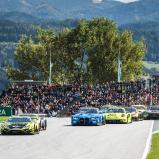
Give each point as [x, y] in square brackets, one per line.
[38, 96]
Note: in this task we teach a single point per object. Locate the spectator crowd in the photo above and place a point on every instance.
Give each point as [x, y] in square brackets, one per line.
[52, 99]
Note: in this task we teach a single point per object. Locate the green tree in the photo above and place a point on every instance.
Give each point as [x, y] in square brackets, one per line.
[87, 53]
[27, 61]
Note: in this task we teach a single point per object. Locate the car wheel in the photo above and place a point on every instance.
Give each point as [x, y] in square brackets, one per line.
[99, 124]
[40, 127]
[104, 121]
[46, 123]
[136, 119]
[45, 126]
[141, 117]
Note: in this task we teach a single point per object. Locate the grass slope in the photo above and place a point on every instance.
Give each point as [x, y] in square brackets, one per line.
[154, 152]
[151, 65]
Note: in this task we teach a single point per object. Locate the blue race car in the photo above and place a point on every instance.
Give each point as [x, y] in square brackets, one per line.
[91, 116]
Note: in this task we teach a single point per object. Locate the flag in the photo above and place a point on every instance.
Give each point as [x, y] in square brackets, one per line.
[119, 70]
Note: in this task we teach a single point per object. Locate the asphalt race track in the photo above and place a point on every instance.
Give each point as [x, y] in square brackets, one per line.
[62, 141]
[156, 126]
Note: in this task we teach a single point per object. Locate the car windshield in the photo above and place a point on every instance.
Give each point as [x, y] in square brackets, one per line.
[154, 108]
[141, 108]
[19, 120]
[116, 111]
[34, 118]
[83, 110]
[130, 109]
[91, 111]
[104, 108]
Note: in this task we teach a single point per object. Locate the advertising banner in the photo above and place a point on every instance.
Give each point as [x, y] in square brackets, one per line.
[6, 111]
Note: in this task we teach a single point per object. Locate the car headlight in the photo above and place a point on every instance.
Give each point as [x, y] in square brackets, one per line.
[75, 118]
[123, 115]
[93, 118]
[27, 126]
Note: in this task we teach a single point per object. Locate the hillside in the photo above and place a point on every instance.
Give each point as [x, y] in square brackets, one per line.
[23, 17]
[19, 17]
[149, 32]
[3, 80]
[143, 10]
[10, 33]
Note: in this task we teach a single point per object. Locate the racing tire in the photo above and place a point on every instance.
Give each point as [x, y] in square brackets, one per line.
[136, 119]
[40, 127]
[103, 121]
[107, 122]
[141, 117]
[99, 124]
[45, 124]
[45, 127]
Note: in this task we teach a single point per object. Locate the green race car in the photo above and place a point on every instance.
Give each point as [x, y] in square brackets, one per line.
[18, 125]
[118, 115]
[35, 118]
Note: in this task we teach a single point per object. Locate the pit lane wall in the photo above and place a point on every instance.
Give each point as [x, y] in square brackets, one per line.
[5, 111]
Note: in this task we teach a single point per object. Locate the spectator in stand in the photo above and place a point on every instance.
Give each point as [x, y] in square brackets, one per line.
[34, 98]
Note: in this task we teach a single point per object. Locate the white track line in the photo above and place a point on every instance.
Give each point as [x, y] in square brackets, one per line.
[148, 142]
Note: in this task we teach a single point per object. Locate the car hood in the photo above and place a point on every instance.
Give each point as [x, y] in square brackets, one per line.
[86, 115]
[133, 113]
[153, 111]
[114, 114]
[104, 111]
[16, 123]
[141, 110]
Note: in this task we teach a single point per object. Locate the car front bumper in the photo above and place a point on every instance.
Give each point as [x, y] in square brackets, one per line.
[16, 131]
[153, 115]
[116, 120]
[85, 121]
